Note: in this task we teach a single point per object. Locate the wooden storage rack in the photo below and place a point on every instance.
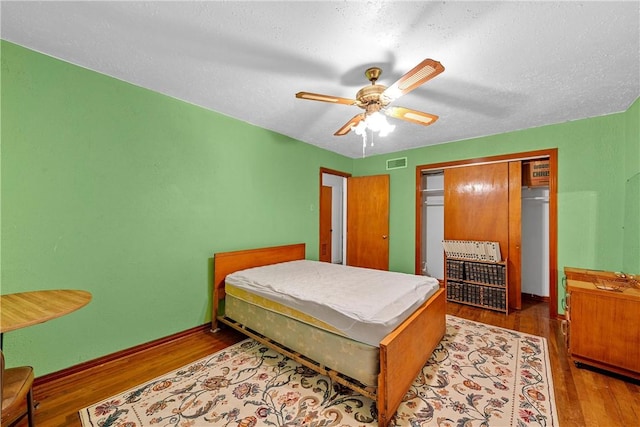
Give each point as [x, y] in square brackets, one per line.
[478, 283]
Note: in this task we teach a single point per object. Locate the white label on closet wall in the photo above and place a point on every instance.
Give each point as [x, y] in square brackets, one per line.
[398, 163]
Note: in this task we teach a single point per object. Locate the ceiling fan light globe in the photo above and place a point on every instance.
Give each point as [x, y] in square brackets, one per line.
[360, 128]
[375, 121]
[386, 130]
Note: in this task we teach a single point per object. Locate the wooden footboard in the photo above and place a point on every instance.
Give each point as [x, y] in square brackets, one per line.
[403, 352]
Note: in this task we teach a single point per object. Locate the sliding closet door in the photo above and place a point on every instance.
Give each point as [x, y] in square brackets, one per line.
[477, 207]
[515, 235]
[476, 203]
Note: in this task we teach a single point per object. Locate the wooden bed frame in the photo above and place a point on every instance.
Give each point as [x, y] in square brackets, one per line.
[403, 352]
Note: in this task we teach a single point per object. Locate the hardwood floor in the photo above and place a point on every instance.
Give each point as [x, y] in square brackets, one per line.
[583, 397]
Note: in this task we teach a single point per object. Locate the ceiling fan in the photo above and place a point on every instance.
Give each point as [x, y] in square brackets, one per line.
[375, 98]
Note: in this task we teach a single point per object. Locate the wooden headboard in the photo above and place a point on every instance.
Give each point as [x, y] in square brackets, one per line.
[225, 263]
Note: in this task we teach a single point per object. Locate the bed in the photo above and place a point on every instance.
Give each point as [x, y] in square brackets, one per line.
[383, 370]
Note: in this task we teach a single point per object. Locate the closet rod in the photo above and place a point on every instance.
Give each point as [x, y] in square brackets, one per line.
[546, 199]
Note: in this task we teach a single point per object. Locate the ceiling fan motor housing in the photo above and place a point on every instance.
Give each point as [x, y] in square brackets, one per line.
[369, 97]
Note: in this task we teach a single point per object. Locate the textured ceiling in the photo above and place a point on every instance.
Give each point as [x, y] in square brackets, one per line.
[508, 65]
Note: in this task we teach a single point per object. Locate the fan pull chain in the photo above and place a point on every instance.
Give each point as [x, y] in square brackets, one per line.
[364, 143]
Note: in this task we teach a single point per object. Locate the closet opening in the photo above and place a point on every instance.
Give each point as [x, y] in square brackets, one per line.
[528, 232]
[332, 207]
[432, 260]
[535, 229]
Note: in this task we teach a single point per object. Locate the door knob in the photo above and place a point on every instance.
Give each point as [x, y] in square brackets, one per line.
[384, 236]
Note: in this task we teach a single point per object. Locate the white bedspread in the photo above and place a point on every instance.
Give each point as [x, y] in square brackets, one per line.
[364, 304]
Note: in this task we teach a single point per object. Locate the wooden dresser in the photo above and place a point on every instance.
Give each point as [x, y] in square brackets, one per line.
[603, 327]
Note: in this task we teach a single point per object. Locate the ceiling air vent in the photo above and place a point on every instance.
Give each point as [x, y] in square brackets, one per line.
[398, 163]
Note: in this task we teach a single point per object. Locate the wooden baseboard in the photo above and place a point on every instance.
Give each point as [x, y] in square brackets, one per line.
[536, 298]
[39, 381]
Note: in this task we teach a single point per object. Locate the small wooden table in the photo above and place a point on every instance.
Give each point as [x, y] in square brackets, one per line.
[24, 309]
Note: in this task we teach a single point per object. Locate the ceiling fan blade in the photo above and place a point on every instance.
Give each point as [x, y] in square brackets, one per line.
[412, 116]
[325, 98]
[351, 123]
[423, 72]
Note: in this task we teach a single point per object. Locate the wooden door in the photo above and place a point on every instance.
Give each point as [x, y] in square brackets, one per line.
[514, 252]
[479, 205]
[368, 221]
[325, 223]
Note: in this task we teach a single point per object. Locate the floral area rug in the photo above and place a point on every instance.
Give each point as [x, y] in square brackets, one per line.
[479, 375]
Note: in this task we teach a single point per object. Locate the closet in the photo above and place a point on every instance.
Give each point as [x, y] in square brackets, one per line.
[433, 211]
[492, 201]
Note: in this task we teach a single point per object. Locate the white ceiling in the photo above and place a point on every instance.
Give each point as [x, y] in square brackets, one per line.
[508, 65]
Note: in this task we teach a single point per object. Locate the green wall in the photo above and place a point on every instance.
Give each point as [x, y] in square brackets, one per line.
[631, 237]
[598, 190]
[127, 193]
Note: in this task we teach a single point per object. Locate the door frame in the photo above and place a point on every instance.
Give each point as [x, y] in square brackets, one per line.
[345, 175]
[552, 155]
[326, 223]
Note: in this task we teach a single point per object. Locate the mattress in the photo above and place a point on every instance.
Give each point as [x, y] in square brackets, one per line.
[362, 304]
[351, 358]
